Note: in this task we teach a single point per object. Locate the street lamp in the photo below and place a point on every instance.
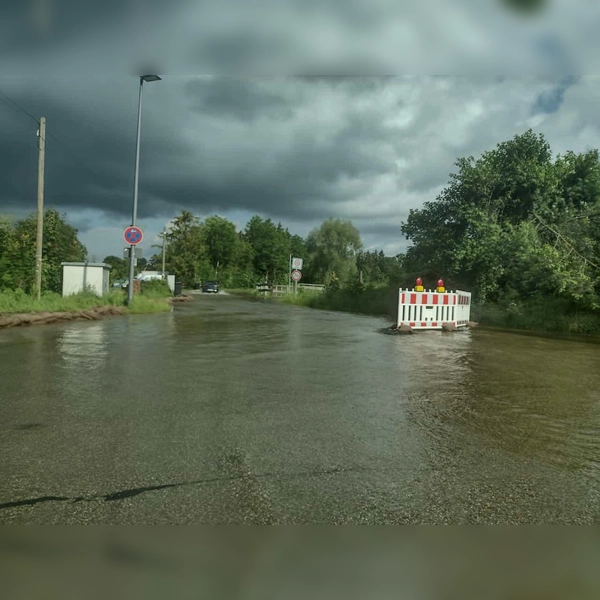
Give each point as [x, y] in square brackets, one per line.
[147, 79]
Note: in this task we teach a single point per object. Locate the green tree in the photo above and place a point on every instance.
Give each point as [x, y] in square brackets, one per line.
[141, 265]
[119, 267]
[513, 221]
[332, 250]
[60, 244]
[241, 272]
[270, 245]
[186, 257]
[6, 242]
[297, 246]
[220, 240]
[372, 267]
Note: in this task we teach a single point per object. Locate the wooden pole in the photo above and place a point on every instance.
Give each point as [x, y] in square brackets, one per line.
[40, 208]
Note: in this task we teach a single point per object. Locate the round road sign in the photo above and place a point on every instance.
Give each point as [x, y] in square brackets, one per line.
[296, 275]
[133, 236]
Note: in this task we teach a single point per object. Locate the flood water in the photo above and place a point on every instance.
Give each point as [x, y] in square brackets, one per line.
[232, 411]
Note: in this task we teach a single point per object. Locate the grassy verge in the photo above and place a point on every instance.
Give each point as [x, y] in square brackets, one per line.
[19, 302]
[152, 299]
[548, 315]
[375, 301]
[142, 305]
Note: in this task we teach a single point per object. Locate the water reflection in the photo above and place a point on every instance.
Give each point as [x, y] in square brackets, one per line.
[83, 347]
[511, 393]
[331, 420]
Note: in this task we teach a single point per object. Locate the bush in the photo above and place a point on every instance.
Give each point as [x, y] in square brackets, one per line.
[156, 288]
[552, 314]
[148, 304]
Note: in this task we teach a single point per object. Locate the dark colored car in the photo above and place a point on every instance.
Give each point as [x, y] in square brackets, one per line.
[210, 287]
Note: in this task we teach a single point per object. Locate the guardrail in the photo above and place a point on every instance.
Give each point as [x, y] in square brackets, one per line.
[281, 290]
[284, 290]
[312, 287]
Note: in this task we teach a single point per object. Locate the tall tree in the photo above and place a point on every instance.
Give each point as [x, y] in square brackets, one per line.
[6, 241]
[241, 273]
[332, 250]
[220, 239]
[119, 267]
[60, 244]
[186, 257]
[270, 245]
[514, 221]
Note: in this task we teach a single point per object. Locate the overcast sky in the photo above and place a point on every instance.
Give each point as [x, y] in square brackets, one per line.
[297, 114]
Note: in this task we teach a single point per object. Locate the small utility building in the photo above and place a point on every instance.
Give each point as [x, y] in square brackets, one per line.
[79, 277]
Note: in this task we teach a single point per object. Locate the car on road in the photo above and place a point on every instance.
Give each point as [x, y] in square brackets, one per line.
[210, 287]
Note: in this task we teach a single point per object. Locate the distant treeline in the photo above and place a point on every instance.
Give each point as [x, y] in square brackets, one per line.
[213, 249]
[514, 226]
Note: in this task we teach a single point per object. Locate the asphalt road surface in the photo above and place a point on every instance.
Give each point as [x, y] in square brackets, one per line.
[233, 411]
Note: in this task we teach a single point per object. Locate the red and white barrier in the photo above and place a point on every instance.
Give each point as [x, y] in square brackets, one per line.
[432, 310]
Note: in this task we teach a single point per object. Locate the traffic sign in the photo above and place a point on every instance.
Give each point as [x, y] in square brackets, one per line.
[138, 252]
[297, 263]
[296, 275]
[133, 236]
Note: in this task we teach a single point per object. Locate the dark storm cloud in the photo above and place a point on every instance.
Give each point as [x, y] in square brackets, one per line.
[28, 25]
[237, 98]
[297, 147]
[238, 50]
[550, 101]
[91, 164]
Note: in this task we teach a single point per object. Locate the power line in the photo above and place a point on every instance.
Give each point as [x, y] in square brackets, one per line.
[49, 133]
[19, 107]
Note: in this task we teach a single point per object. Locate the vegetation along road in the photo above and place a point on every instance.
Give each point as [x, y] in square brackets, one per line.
[227, 410]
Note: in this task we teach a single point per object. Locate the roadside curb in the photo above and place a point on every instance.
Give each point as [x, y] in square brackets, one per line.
[178, 299]
[45, 318]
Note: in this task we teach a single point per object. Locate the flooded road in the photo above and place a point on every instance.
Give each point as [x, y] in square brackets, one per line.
[232, 411]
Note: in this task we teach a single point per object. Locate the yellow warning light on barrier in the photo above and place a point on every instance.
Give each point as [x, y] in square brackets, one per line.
[419, 285]
[440, 286]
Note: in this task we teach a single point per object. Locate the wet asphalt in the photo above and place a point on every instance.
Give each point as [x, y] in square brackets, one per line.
[244, 412]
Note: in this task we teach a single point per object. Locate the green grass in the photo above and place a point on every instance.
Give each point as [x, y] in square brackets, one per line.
[157, 289]
[373, 301]
[142, 305]
[549, 315]
[152, 300]
[19, 302]
[543, 315]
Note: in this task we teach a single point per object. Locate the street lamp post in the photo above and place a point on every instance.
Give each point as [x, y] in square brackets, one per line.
[148, 79]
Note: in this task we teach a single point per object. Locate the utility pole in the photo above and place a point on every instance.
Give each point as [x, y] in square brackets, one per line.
[40, 208]
[164, 251]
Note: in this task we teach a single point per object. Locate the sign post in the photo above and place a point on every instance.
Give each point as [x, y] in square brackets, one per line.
[296, 277]
[297, 264]
[295, 271]
[133, 236]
